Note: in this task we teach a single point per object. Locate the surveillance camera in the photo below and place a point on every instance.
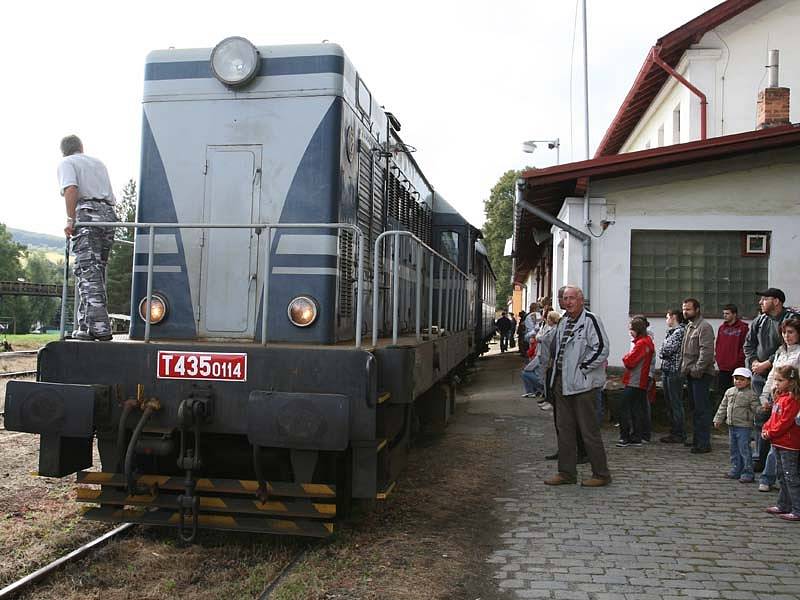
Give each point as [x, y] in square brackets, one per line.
[551, 145]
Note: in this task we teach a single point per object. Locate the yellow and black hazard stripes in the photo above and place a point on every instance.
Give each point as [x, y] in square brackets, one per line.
[220, 486]
[305, 509]
[248, 523]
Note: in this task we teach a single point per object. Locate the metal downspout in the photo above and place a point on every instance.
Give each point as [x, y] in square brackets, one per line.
[654, 56]
[585, 239]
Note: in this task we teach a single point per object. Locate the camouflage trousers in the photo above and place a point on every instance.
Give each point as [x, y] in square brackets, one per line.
[91, 247]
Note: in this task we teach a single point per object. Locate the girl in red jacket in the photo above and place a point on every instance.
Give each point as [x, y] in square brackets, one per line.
[636, 381]
[784, 434]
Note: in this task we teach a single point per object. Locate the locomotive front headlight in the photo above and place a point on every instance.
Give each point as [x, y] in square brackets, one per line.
[302, 311]
[234, 61]
[158, 309]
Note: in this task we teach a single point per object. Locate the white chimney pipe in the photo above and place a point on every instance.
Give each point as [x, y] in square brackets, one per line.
[772, 68]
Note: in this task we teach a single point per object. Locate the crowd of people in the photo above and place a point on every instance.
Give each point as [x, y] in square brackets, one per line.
[752, 368]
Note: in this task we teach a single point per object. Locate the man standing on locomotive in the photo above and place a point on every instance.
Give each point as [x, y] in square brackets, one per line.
[580, 348]
[85, 185]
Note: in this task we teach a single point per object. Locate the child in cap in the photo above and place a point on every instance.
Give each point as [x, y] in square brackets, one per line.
[737, 409]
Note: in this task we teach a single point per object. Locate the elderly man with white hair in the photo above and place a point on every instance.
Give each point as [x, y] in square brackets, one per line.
[580, 348]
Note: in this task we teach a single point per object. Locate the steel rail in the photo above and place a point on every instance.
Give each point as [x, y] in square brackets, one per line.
[282, 574]
[17, 374]
[13, 588]
[17, 353]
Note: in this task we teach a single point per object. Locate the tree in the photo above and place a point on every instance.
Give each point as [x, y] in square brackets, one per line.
[499, 226]
[120, 263]
[14, 308]
[40, 270]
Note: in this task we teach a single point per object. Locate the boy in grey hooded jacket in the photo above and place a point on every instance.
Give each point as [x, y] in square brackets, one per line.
[737, 409]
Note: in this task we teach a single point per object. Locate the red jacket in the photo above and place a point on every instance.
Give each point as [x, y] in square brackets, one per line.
[781, 429]
[637, 362]
[729, 348]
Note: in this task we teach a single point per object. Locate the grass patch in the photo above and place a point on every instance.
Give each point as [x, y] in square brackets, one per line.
[30, 341]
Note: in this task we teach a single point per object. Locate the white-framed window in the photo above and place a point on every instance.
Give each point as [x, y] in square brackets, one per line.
[755, 244]
[676, 125]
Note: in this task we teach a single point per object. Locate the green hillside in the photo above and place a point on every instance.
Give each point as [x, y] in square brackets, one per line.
[38, 241]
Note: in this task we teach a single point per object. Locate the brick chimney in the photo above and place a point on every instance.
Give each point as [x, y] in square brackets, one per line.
[773, 101]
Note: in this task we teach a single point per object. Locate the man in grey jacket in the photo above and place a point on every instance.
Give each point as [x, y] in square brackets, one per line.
[579, 349]
[697, 365]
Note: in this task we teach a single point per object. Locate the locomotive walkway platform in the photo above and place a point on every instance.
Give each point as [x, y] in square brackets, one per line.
[670, 525]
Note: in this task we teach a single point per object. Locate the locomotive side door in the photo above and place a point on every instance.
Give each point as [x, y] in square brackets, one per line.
[229, 271]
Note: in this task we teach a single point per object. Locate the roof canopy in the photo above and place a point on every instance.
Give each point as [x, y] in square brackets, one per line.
[547, 188]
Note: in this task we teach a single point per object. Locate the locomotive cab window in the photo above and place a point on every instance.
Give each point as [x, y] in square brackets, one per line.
[364, 98]
[448, 245]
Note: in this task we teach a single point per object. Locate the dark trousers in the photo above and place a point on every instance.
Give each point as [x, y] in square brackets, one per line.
[789, 480]
[673, 394]
[762, 446]
[548, 395]
[504, 338]
[634, 411]
[699, 388]
[577, 414]
[724, 382]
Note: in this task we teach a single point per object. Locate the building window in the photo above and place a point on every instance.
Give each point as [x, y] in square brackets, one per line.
[660, 136]
[668, 266]
[448, 246]
[676, 125]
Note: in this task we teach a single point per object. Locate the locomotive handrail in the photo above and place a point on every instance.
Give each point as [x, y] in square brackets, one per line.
[455, 309]
[151, 227]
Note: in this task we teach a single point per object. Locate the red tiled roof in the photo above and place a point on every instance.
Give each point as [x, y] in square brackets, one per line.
[651, 77]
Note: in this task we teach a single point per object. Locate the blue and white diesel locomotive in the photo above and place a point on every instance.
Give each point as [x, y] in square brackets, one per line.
[301, 299]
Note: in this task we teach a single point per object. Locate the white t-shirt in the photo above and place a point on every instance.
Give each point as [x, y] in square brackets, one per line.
[89, 174]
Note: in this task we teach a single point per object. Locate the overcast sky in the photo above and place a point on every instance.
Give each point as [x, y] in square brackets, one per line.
[468, 84]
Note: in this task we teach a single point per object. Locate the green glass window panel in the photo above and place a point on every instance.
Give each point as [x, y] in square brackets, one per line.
[667, 266]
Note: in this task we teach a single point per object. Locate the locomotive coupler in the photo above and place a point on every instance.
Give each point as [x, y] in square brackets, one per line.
[192, 411]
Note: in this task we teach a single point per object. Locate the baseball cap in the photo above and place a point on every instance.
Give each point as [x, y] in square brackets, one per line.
[773, 293]
[742, 372]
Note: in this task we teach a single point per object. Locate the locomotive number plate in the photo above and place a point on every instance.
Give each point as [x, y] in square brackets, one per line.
[219, 366]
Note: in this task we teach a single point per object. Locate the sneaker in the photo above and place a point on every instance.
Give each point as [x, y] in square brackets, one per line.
[636, 444]
[671, 439]
[553, 456]
[789, 517]
[623, 444]
[700, 450]
[746, 479]
[775, 510]
[730, 476]
[526, 395]
[645, 441]
[763, 487]
[545, 406]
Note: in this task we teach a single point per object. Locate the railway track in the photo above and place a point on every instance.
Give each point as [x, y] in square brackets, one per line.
[13, 588]
[17, 353]
[8, 374]
[282, 574]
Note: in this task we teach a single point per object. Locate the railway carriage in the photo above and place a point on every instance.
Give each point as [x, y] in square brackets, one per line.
[301, 298]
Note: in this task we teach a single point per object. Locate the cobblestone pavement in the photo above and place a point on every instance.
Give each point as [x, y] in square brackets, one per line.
[669, 526]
